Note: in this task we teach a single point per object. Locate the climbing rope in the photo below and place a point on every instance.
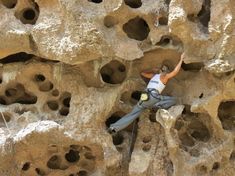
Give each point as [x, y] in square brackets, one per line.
[5, 122]
[132, 139]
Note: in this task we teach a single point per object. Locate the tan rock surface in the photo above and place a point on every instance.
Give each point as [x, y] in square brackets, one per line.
[68, 69]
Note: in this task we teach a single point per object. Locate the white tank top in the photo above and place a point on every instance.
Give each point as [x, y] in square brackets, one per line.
[155, 83]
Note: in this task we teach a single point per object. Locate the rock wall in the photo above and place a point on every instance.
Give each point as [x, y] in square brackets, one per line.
[68, 69]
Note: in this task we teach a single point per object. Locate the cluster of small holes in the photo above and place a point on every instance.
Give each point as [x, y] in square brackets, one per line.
[17, 94]
[114, 72]
[191, 131]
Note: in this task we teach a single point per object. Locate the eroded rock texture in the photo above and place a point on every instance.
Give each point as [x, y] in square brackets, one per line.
[71, 68]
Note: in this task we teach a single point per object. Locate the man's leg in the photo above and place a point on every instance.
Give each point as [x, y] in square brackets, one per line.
[127, 119]
[166, 102]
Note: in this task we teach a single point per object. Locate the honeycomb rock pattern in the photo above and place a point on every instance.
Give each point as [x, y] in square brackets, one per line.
[68, 69]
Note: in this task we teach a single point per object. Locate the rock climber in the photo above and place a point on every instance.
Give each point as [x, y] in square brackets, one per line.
[152, 97]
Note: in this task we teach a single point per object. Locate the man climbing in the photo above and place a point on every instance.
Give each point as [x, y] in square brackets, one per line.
[151, 98]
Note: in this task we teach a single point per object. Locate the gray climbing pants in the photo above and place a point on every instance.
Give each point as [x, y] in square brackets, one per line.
[155, 100]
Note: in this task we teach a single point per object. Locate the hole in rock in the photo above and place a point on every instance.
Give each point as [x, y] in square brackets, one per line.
[196, 66]
[40, 172]
[226, 113]
[165, 40]
[199, 131]
[204, 14]
[136, 95]
[114, 72]
[10, 92]
[114, 118]
[64, 111]
[88, 155]
[147, 139]
[163, 20]
[39, 78]
[53, 105]
[118, 139]
[133, 3]
[9, 3]
[26, 166]
[186, 140]
[146, 147]
[46, 86]
[232, 156]
[110, 21]
[3, 101]
[136, 28]
[95, 1]
[201, 95]
[72, 156]
[216, 166]
[0, 80]
[26, 99]
[66, 101]
[29, 15]
[18, 57]
[54, 162]
[55, 92]
[82, 173]
[179, 124]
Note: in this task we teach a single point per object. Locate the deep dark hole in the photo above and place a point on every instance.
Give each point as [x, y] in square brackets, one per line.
[82, 173]
[39, 78]
[152, 117]
[122, 68]
[201, 95]
[112, 119]
[232, 156]
[64, 111]
[133, 3]
[118, 139]
[136, 95]
[106, 78]
[26, 166]
[95, 1]
[54, 162]
[10, 92]
[53, 105]
[29, 14]
[27, 99]
[215, 166]
[0, 80]
[163, 20]
[204, 14]
[136, 28]
[164, 41]
[197, 66]
[66, 102]
[72, 156]
[18, 57]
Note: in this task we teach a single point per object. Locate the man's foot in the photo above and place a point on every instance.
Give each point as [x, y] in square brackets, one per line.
[111, 131]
